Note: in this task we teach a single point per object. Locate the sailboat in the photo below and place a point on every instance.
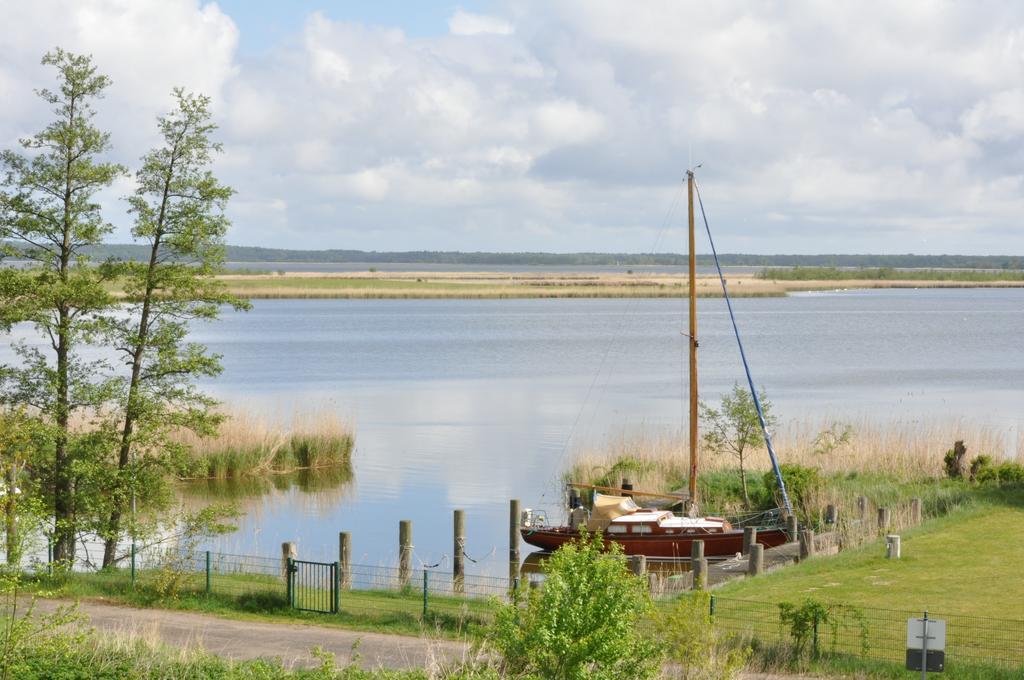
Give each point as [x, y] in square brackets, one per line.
[660, 533]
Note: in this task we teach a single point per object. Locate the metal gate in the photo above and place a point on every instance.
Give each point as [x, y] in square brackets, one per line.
[313, 586]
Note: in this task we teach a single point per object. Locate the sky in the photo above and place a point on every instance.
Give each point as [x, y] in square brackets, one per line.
[566, 125]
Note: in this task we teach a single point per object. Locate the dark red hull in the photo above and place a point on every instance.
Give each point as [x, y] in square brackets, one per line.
[718, 544]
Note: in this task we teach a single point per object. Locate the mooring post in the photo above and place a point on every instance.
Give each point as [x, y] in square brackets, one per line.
[915, 510]
[345, 559]
[459, 552]
[288, 552]
[892, 546]
[749, 539]
[208, 572]
[404, 553]
[336, 603]
[883, 519]
[638, 564]
[831, 514]
[574, 498]
[791, 527]
[806, 544]
[862, 507]
[755, 563]
[627, 486]
[696, 551]
[700, 573]
[513, 540]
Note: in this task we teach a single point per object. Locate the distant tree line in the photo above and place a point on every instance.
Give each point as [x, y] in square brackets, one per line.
[137, 252]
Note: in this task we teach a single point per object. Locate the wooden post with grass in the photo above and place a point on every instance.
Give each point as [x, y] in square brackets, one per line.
[806, 544]
[345, 559]
[404, 553]
[696, 551]
[791, 527]
[700, 572]
[915, 511]
[638, 564]
[831, 514]
[883, 520]
[755, 563]
[513, 540]
[862, 507]
[749, 539]
[288, 552]
[459, 552]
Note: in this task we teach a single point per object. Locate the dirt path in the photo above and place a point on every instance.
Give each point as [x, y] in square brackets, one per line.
[290, 642]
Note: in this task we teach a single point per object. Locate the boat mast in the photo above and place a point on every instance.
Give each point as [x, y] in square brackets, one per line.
[693, 350]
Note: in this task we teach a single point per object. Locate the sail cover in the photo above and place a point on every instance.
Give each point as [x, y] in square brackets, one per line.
[607, 508]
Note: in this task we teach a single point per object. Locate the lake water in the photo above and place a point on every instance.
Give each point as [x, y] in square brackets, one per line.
[465, 404]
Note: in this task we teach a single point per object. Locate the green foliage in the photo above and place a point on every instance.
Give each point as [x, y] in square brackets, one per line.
[23, 630]
[624, 467]
[809, 622]
[834, 437]
[985, 471]
[695, 650]
[735, 428]
[805, 486]
[583, 622]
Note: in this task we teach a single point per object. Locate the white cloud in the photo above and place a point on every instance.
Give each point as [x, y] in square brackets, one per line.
[567, 125]
[465, 23]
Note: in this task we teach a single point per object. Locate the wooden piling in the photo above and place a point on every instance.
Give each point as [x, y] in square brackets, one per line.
[404, 553]
[345, 559]
[791, 527]
[627, 486]
[459, 551]
[749, 539]
[513, 540]
[892, 546]
[755, 563]
[638, 564]
[862, 507]
[831, 514]
[696, 551]
[915, 510]
[806, 544]
[883, 519]
[288, 552]
[700, 573]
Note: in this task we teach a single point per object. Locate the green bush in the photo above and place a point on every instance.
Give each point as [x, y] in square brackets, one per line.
[695, 649]
[583, 622]
[804, 486]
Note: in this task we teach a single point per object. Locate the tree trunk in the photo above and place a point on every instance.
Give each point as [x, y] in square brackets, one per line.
[63, 519]
[743, 483]
[13, 545]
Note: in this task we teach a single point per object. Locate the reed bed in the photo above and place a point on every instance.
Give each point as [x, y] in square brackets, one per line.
[249, 445]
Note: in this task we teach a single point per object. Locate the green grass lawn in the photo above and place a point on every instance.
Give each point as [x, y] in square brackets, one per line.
[965, 563]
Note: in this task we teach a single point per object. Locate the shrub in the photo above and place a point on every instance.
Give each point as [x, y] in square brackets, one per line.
[696, 650]
[583, 622]
[804, 486]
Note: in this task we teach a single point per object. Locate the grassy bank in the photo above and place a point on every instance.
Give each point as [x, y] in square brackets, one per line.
[249, 445]
[889, 274]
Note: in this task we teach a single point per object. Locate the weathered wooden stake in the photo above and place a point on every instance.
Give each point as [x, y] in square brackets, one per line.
[806, 544]
[700, 573]
[862, 507]
[513, 540]
[638, 564]
[915, 510]
[883, 519]
[696, 551]
[892, 546]
[755, 563]
[404, 552]
[831, 514]
[791, 527]
[749, 539]
[288, 551]
[345, 559]
[459, 552]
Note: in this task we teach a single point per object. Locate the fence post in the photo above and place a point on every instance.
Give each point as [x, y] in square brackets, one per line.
[862, 507]
[638, 564]
[336, 605]
[831, 514]
[806, 544]
[696, 551]
[915, 511]
[711, 605]
[133, 564]
[345, 559]
[749, 539]
[288, 553]
[791, 527]
[883, 519]
[459, 559]
[426, 589]
[207, 572]
[513, 539]
[700, 574]
[49, 556]
[290, 590]
[404, 553]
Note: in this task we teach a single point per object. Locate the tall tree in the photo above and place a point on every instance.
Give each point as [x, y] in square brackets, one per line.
[179, 214]
[48, 213]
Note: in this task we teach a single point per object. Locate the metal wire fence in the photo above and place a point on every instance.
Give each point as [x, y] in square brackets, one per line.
[879, 634]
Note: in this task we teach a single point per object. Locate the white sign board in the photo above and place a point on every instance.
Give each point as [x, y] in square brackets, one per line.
[936, 634]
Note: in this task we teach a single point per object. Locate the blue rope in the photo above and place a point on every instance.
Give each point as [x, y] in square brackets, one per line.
[746, 366]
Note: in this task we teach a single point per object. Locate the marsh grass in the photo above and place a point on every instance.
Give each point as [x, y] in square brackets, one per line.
[248, 445]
